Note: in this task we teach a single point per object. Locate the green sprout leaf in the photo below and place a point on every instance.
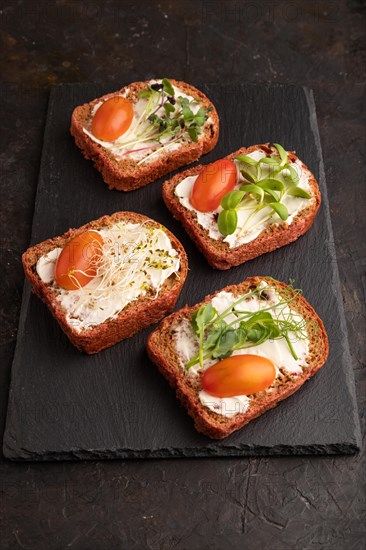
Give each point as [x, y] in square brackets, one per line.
[186, 110]
[270, 186]
[200, 117]
[253, 189]
[200, 318]
[193, 133]
[248, 176]
[144, 94]
[203, 316]
[269, 160]
[272, 195]
[282, 153]
[295, 191]
[169, 108]
[227, 222]
[227, 341]
[270, 183]
[187, 113]
[232, 199]
[280, 209]
[247, 160]
[293, 177]
[213, 334]
[168, 88]
[184, 101]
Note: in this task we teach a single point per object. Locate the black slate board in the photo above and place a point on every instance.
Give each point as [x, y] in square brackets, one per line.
[65, 405]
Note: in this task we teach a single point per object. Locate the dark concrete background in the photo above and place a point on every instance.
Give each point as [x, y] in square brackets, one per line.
[274, 503]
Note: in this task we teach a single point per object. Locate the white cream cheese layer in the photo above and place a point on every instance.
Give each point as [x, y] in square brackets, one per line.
[208, 220]
[136, 258]
[277, 351]
[132, 140]
[46, 265]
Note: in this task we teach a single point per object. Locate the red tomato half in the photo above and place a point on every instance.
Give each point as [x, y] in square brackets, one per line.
[238, 375]
[112, 119]
[212, 184]
[76, 265]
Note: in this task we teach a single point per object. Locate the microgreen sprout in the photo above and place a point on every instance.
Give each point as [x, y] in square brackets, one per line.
[257, 194]
[127, 253]
[219, 338]
[166, 119]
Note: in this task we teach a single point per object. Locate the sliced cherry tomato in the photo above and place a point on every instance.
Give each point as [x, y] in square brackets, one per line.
[238, 375]
[112, 119]
[76, 265]
[212, 184]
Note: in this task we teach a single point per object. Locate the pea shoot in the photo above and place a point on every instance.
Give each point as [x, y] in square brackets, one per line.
[219, 338]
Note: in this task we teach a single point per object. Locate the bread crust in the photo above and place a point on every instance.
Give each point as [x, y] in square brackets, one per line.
[125, 175]
[206, 421]
[219, 254]
[134, 317]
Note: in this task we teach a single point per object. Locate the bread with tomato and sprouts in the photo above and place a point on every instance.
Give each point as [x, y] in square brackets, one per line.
[145, 130]
[108, 279]
[239, 352]
[251, 202]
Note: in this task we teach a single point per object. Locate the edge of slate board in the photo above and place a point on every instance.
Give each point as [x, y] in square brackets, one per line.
[350, 374]
[171, 452]
[12, 450]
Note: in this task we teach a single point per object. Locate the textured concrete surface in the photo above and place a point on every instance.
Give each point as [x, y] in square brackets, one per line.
[279, 504]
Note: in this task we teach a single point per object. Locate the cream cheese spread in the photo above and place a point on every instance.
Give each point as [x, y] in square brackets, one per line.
[208, 220]
[132, 140]
[136, 258]
[46, 265]
[277, 351]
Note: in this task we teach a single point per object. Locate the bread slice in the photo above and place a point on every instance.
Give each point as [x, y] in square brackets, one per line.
[126, 174]
[218, 253]
[162, 351]
[144, 311]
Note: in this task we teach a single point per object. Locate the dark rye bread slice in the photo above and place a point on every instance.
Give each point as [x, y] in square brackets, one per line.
[161, 350]
[124, 174]
[218, 253]
[136, 316]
